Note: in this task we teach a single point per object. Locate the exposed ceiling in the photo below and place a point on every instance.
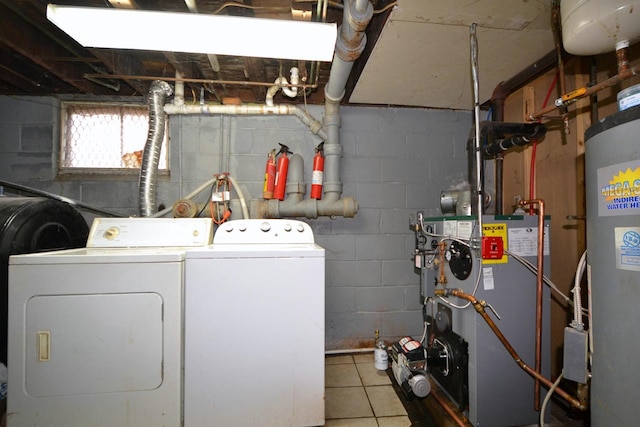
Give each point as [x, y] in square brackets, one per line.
[417, 54]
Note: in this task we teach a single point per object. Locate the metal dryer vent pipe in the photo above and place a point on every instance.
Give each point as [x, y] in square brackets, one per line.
[158, 92]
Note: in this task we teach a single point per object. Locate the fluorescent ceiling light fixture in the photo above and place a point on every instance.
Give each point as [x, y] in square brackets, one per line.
[196, 33]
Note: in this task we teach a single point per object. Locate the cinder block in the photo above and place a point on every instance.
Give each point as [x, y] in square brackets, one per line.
[395, 221]
[404, 170]
[399, 272]
[362, 169]
[119, 194]
[380, 144]
[380, 247]
[379, 299]
[340, 300]
[9, 137]
[383, 195]
[36, 138]
[338, 247]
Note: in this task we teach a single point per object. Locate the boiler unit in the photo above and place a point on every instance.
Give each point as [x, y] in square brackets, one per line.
[254, 328]
[95, 335]
[464, 356]
[612, 156]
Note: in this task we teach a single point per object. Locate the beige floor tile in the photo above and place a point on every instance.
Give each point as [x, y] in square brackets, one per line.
[394, 422]
[346, 402]
[385, 401]
[353, 422]
[338, 359]
[341, 376]
[363, 357]
[371, 376]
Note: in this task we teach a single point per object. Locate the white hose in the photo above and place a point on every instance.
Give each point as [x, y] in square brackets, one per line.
[243, 203]
[577, 297]
[545, 402]
[188, 196]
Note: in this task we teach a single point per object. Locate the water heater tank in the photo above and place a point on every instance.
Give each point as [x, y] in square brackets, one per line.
[592, 27]
[33, 224]
[612, 172]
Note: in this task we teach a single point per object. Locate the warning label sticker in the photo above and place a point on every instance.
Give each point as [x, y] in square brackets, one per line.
[627, 241]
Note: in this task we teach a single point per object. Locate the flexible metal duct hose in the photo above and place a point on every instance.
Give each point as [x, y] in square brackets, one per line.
[158, 91]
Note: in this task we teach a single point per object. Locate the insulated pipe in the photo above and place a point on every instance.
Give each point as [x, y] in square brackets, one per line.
[539, 286]
[158, 91]
[497, 115]
[479, 307]
[503, 136]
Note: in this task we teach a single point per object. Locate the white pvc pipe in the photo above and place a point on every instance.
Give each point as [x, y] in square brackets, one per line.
[250, 109]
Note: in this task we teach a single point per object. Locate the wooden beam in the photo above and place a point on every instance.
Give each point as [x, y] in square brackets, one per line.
[25, 39]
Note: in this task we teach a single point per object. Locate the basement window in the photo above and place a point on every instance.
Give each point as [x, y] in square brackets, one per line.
[106, 138]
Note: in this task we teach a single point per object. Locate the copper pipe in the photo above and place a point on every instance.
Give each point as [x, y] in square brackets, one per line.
[479, 307]
[624, 74]
[441, 401]
[203, 81]
[539, 288]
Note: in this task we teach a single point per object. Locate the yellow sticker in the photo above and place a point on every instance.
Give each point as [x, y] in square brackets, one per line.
[496, 230]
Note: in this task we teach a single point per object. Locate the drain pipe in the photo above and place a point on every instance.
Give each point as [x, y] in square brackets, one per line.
[291, 92]
[349, 46]
[158, 91]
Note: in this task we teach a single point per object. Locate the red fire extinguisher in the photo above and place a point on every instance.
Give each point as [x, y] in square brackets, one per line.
[269, 175]
[282, 168]
[318, 172]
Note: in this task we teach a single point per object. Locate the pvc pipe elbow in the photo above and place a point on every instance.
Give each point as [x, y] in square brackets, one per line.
[295, 79]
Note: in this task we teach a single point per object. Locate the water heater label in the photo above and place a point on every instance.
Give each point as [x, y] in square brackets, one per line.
[627, 248]
[619, 189]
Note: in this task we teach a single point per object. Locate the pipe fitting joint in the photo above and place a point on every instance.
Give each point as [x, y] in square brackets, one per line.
[358, 20]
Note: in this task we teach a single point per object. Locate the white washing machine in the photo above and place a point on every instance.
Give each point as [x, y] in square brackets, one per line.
[254, 327]
[95, 334]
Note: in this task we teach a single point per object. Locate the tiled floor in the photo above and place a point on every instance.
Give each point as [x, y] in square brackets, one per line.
[358, 395]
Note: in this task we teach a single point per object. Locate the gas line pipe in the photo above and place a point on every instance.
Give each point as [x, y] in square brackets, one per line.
[479, 306]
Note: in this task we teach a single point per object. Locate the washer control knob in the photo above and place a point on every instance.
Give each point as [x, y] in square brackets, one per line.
[265, 226]
[228, 228]
[242, 227]
[300, 228]
[287, 227]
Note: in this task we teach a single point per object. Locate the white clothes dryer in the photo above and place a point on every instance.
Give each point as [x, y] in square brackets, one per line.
[95, 334]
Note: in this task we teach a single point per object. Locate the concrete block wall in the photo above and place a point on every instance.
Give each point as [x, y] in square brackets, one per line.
[395, 161]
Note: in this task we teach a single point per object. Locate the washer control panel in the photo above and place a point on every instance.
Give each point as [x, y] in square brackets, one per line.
[259, 231]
